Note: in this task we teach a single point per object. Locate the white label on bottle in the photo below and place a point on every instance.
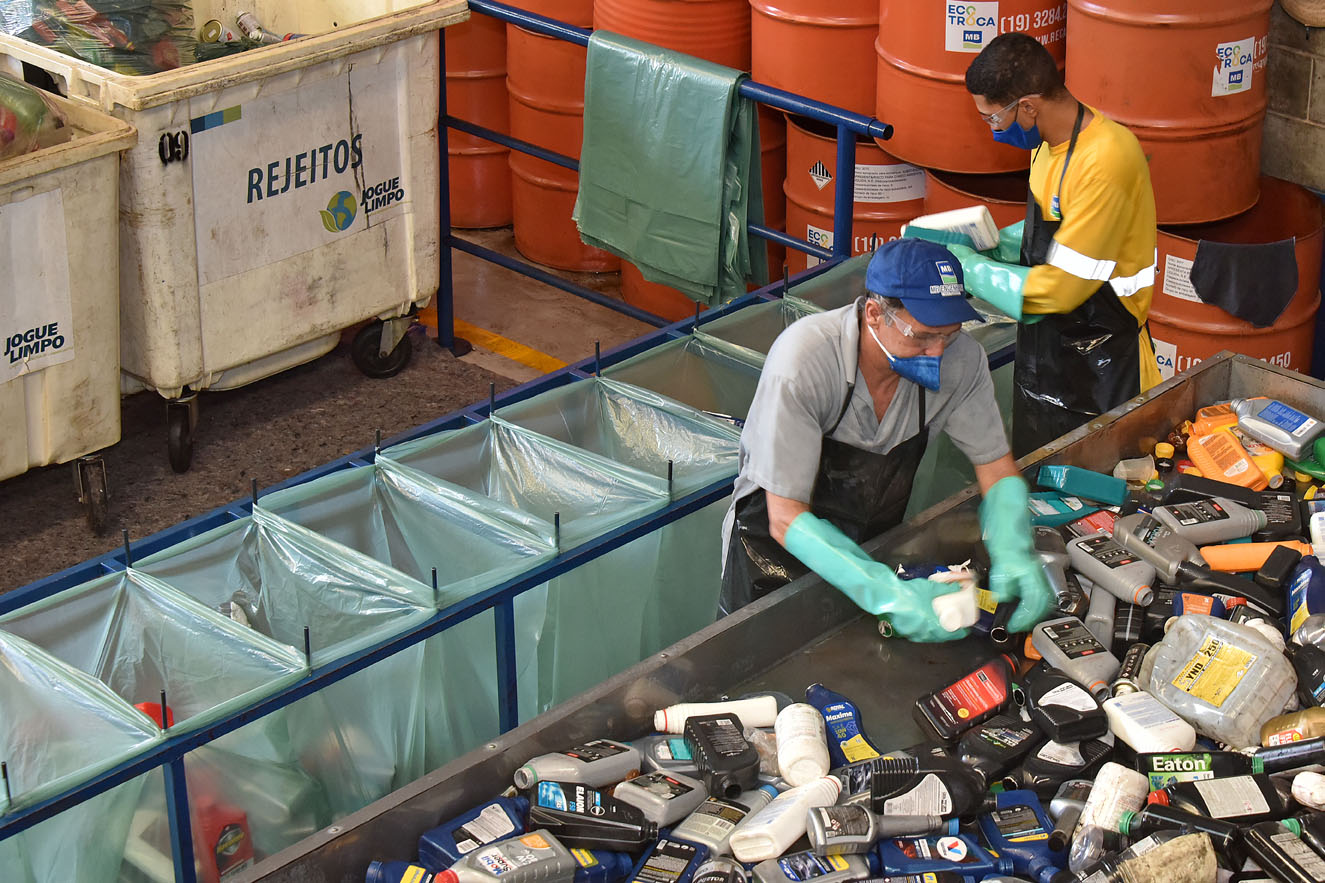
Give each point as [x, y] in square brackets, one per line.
[1069, 696]
[1145, 710]
[1232, 796]
[489, 825]
[1065, 753]
[1178, 279]
[1299, 852]
[929, 798]
[895, 182]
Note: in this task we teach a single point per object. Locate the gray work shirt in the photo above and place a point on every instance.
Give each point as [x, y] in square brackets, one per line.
[800, 394]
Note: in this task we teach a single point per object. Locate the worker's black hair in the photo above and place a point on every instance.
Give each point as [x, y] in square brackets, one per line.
[1013, 66]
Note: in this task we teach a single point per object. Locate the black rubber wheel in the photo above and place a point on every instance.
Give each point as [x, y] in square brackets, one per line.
[96, 497]
[364, 352]
[179, 438]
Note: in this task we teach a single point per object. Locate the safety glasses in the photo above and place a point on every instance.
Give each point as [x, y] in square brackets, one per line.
[924, 340]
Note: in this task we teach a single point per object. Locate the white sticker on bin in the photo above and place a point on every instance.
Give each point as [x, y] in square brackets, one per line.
[36, 315]
[297, 169]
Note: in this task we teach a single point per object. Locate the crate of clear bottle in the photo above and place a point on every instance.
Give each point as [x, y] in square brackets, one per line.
[276, 196]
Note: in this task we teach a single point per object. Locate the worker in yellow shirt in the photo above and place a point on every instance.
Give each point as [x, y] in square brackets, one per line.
[1080, 275]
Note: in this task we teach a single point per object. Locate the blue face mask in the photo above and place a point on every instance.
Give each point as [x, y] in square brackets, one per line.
[1014, 134]
[922, 370]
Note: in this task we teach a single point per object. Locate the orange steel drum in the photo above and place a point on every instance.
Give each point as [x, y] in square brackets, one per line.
[480, 179]
[773, 162]
[1186, 331]
[661, 300]
[1004, 195]
[924, 49]
[1190, 83]
[824, 51]
[888, 192]
[716, 30]
[546, 86]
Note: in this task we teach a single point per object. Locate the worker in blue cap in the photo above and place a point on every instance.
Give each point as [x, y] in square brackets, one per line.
[847, 402]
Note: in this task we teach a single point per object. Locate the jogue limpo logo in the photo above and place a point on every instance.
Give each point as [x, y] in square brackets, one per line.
[340, 211]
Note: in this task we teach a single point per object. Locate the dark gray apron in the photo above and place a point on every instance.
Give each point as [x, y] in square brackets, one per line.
[862, 492]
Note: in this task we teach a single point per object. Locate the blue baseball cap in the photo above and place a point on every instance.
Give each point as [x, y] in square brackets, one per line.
[925, 277]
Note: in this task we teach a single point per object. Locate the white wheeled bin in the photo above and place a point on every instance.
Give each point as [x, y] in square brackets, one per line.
[275, 197]
[59, 338]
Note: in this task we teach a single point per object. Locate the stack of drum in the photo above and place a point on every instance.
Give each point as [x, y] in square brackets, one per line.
[476, 91]
[1192, 88]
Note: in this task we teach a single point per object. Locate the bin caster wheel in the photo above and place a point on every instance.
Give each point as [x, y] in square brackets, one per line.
[366, 351]
[179, 433]
[93, 492]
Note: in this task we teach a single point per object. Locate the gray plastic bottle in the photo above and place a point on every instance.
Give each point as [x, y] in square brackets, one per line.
[1157, 543]
[1065, 644]
[1100, 614]
[841, 830]
[600, 762]
[1109, 566]
[1051, 549]
[664, 797]
[536, 856]
[1216, 520]
[663, 751]
[712, 822]
[1284, 428]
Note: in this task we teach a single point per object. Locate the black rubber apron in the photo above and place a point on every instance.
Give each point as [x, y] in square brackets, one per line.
[863, 493]
[1070, 367]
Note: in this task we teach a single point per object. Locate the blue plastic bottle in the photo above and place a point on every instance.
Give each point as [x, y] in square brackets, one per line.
[1306, 592]
[1018, 829]
[669, 860]
[497, 819]
[397, 872]
[598, 866]
[847, 742]
[958, 853]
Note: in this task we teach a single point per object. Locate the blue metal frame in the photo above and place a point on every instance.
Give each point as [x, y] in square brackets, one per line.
[847, 123]
[169, 755]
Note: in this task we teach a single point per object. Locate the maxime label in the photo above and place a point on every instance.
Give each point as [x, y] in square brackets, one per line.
[36, 313]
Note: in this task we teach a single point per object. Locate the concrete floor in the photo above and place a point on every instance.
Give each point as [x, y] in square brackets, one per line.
[527, 312]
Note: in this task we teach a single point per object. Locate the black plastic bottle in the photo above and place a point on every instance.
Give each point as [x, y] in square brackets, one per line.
[997, 745]
[726, 761]
[1241, 799]
[1309, 663]
[1053, 763]
[1155, 817]
[1312, 827]
[974, 699]
[916, 786]
[1163, 769]
[1277, 848]
[587, 818]
[1062, 709]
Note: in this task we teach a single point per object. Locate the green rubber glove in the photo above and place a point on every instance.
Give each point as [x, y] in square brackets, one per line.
[1016, 573]
[994, 281]
[871, 585]
[1008, 249]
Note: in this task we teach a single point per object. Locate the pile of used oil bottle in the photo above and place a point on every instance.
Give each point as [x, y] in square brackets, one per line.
[1163, 725]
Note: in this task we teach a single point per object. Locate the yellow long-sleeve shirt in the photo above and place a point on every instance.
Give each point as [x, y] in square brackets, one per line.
[1107, 208]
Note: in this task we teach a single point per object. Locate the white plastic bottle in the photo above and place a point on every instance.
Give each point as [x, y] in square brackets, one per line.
[713, 822]
[760, 711]
[1147, 725]
[1117, 790]
[802, 744]
[767, 833]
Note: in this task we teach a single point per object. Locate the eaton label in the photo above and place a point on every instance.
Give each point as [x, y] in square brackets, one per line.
[1233, 67]
[968, 27]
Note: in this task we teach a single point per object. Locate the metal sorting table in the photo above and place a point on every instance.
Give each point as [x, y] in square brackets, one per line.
[803, 633]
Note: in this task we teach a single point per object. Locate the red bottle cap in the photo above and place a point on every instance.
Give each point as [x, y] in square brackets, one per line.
[447, 876]
[153, 710]
[1159, 797]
